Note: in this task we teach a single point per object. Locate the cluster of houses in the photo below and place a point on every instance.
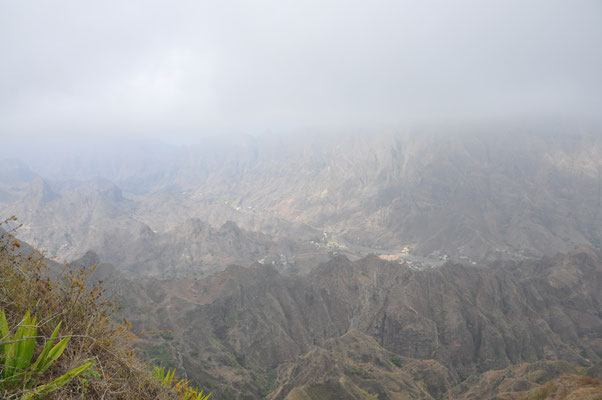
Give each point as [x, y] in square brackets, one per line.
[391, 257]
[396, 257]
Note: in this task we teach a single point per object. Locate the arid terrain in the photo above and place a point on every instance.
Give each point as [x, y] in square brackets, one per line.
[375, 328]
[393, 266]
[306, 200]
[509, 194]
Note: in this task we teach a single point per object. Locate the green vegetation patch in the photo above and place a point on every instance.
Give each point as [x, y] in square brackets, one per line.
[397, 361]
[159, 354]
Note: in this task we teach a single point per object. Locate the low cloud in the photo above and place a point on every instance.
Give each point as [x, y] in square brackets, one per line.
[184, 69]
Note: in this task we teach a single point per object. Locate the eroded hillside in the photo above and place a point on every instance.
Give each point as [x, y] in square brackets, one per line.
[517, 191]
[235, 329]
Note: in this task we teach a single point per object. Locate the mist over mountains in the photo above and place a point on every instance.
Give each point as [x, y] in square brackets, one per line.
[520, 192]
[313, 200]
[393, 265]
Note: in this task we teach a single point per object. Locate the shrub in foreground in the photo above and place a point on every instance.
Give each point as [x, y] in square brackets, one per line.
[16, 355]
[96, 361]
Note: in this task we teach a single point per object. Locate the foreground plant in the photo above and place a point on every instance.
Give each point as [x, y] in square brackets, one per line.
[167, 379]
[29, 282]
[17, 372]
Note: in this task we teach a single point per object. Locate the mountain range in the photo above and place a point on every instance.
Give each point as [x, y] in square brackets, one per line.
[386, 266]
[522, 191]
[375, 328]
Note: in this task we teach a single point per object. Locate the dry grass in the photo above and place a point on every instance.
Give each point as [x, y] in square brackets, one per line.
[25, 284]
[568, 387]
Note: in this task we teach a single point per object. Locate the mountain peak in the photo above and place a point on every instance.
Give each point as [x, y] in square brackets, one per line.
[40, 192]
[89, 259]
[230, 226]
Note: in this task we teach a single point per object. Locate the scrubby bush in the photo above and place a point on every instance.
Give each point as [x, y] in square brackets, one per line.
[182, 386]
[95, 340]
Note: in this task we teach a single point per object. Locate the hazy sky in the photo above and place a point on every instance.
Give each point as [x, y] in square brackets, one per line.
[187, 68]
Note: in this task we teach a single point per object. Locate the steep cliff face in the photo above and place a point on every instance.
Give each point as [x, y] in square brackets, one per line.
[469, 319]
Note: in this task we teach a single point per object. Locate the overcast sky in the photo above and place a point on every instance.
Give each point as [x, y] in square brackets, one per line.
[182, 69]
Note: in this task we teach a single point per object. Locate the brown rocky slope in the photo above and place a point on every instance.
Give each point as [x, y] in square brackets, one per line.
[233, 328]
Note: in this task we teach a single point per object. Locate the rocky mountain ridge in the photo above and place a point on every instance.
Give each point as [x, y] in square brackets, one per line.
[374, 329]
[97, 216]
[472, 193]
[236, 325]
